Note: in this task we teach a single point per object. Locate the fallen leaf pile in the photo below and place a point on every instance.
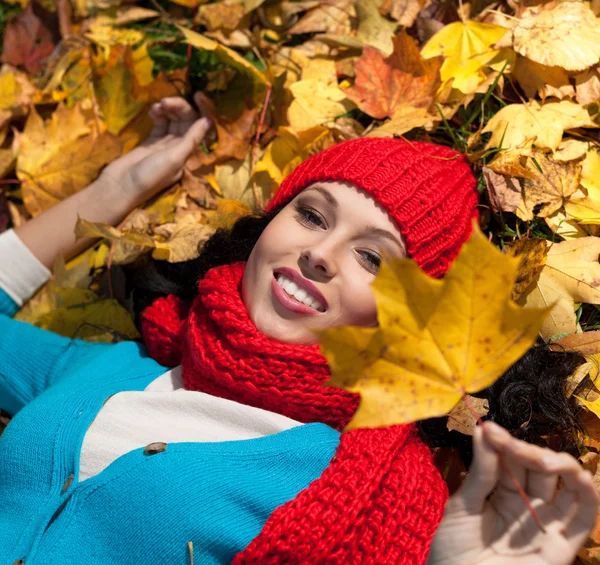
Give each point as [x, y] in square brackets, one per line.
[513, 85]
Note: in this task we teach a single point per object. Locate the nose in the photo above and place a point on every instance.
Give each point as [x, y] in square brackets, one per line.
[320, 260]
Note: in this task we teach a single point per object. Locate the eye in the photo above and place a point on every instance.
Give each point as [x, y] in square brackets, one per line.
[309, 217]
[370, 261]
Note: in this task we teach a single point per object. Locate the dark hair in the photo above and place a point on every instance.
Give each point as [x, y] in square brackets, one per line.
[529, 400]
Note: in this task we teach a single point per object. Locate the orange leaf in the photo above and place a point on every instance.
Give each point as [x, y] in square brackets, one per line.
[383, 85]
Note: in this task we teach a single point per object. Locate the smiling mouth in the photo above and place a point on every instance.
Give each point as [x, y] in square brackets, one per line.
[298, 294]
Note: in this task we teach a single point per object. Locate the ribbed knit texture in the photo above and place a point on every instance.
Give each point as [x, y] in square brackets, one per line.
[427, 189]
[380, 499]
[223, 353]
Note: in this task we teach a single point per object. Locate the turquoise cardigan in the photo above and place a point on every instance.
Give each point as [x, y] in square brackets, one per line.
[145, 507]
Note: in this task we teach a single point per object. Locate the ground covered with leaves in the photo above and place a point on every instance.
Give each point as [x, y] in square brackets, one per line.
[513, 85]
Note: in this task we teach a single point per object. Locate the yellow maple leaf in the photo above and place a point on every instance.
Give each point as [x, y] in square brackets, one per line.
[514, 124]
[318, 99]
[437, 339]
[566, 34]
[113, 85]
[290, 148]
[571, 274]
[58, 158]
[467, 47]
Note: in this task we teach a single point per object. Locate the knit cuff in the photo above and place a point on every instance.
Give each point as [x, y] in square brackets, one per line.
[21, 272]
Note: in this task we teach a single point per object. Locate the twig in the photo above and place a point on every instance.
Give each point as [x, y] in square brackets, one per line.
[506, 469]
[191, 552]
[261, 121]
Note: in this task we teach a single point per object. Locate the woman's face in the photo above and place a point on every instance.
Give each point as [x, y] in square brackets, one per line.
[313, 265]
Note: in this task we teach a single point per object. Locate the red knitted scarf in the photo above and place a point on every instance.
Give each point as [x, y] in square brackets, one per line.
[222, 353]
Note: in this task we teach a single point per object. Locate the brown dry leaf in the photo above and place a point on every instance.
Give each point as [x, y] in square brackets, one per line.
[565, 34]
[586, 343]
[461, 418]
[503, 191]
[334, 16]
[404, 120]
[183, 239]
[222, 15]
[587, 86]
[532, 252]
[542, 80]
[130, 14]
[575, 379]
[234, 136]
[16, 93]
[546, 192]
[512, 162]
[404, 79]
[60, 157]
[27, 41]
[571, 274]
[405, 12]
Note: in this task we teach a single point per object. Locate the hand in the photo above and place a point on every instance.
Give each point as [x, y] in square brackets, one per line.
[499, 530]
[158, 162]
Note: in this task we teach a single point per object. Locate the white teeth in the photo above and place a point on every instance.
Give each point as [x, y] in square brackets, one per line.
[299, 293]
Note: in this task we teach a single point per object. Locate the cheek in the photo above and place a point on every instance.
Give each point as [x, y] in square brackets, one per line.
[358, 304]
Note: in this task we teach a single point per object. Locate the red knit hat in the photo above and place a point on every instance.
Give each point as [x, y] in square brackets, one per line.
[429, 190]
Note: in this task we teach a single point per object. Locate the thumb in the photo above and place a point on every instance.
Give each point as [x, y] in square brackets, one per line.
[191, 139]
[483, 474]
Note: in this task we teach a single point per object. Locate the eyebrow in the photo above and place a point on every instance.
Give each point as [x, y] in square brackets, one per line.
[370, 230]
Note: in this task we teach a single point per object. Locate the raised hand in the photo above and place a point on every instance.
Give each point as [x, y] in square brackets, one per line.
[479, 529]
[158, 162]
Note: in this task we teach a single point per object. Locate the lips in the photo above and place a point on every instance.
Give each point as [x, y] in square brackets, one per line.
[296, 293]
[302, 283]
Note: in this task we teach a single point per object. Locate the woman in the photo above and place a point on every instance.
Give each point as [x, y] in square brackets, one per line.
[112, 458]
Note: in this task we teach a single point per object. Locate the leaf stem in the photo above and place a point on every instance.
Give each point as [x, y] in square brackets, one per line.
[506, 469]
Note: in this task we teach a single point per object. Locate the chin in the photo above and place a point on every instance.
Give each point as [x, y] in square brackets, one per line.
[287, 331]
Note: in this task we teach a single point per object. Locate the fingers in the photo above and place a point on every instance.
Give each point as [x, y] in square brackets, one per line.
[583, 519]
[482, 477]
[181, 150]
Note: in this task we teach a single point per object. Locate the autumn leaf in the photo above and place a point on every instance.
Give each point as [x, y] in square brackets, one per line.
[27, 41]
[182, 239]
[333, 17]
[514, 124]
[546, 192]
[228, 56]
[223, 15]
[462, 417]
[234, 136]
[542, 80]
[436, 340]
[586, 209]
[60, 157]
[290, 148]
[565, 34]
[403, 80]
[80, 313]
[503, 191]
[467, 48]
[532, 253]
[571, 274]
[587, 343]
[317, 97]
[113, 89]
[405, 12]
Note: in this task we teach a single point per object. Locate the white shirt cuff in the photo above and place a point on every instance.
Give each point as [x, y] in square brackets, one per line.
[21, 272]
